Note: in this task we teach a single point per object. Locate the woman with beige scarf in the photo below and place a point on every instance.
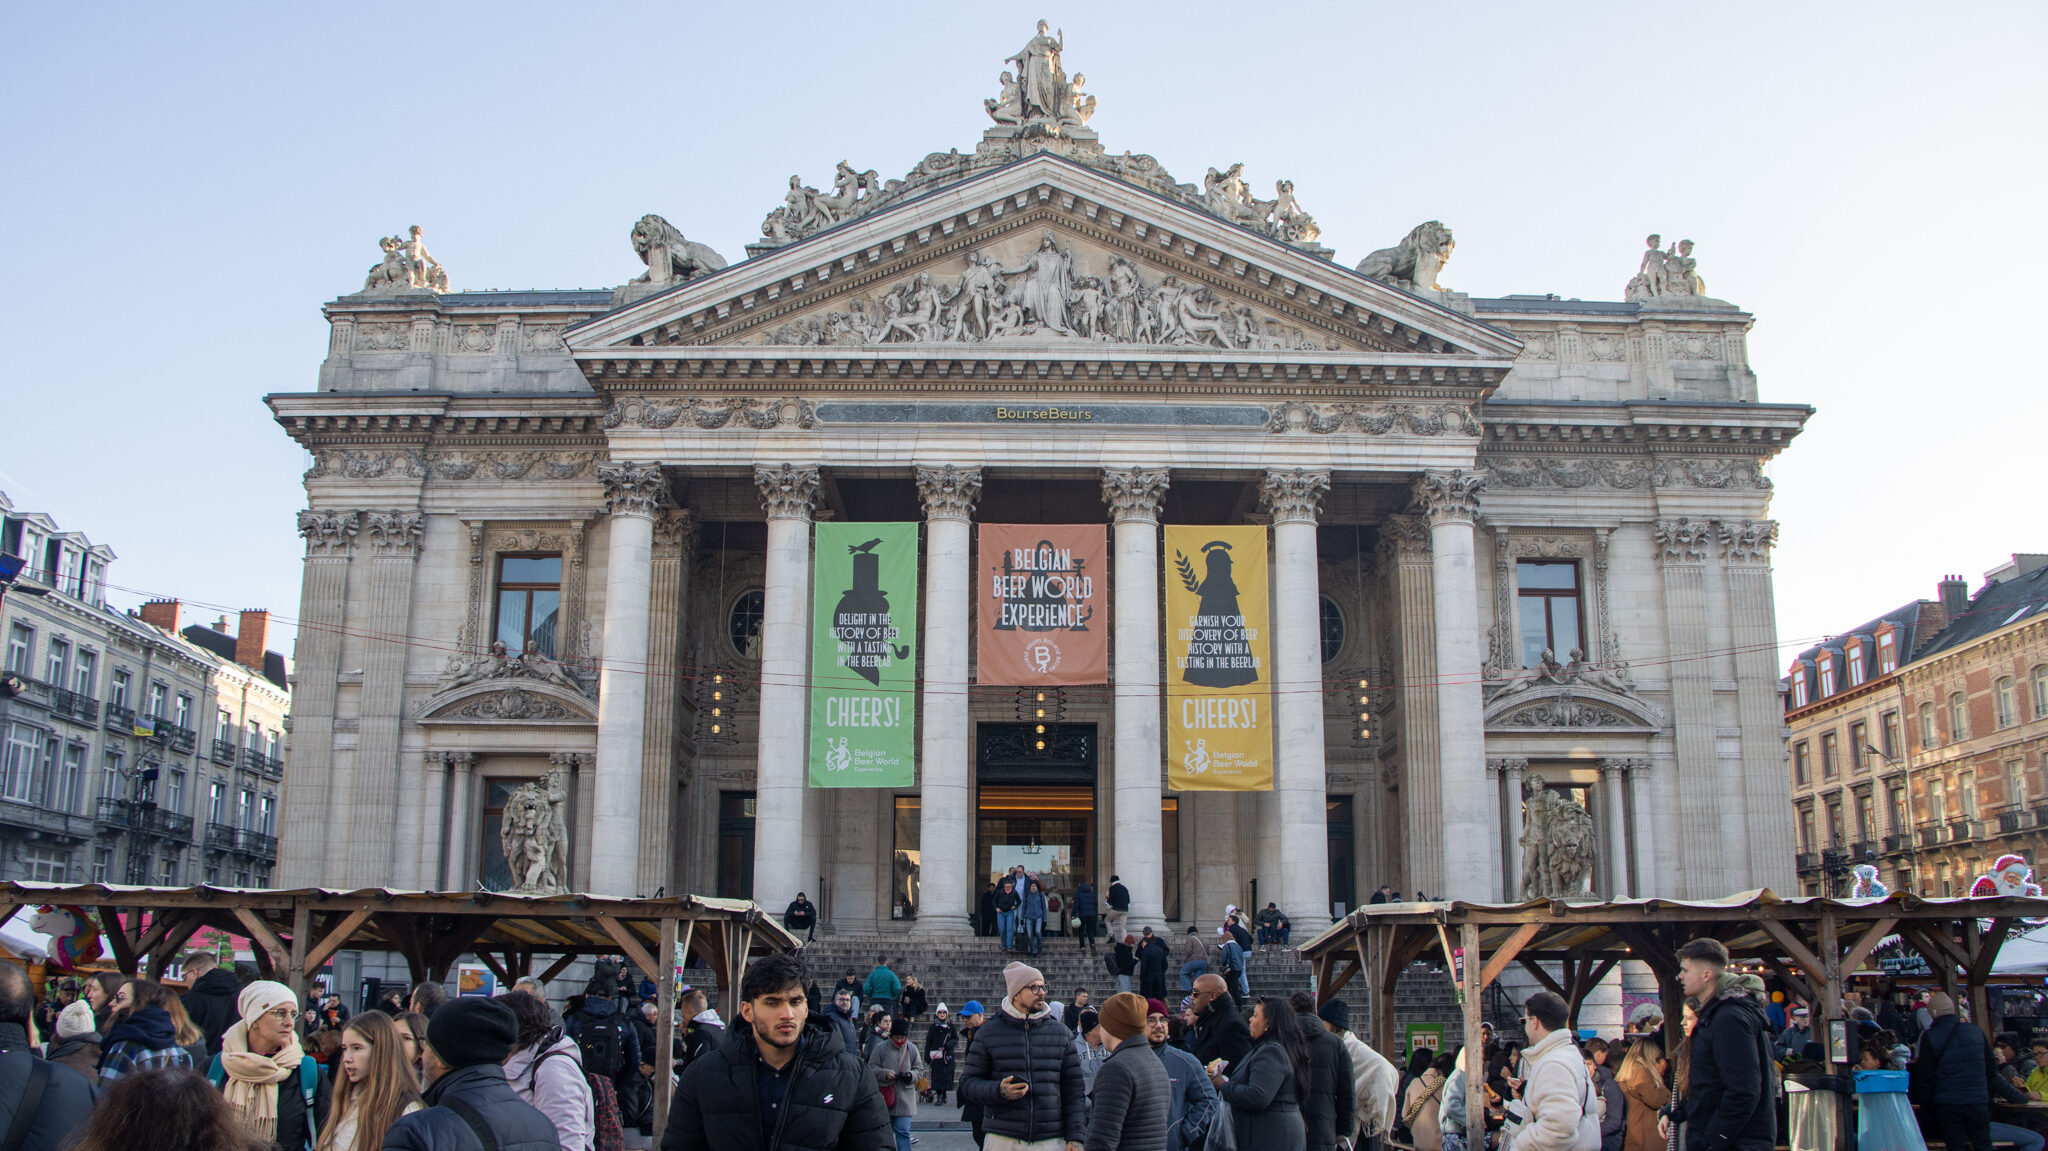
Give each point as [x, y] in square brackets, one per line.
[1420, 1111]
[264, 1074]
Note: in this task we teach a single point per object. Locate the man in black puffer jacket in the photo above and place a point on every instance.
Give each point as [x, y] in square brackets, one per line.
[1023, 1070]
[779, 1081]
[467, 1042]
[211, 1002]
[1332, 1095]
[1730, 1106]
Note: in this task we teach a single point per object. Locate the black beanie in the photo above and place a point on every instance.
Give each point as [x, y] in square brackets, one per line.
[472, 1030]
[1336, 1013]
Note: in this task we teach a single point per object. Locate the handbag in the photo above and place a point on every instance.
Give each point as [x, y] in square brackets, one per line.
[889, 1095]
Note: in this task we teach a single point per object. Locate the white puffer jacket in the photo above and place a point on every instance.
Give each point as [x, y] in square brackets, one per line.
[1374, 1081]
[1564, 1112]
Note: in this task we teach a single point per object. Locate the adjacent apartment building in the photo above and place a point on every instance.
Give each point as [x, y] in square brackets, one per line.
[130, 751]
[1915, 739]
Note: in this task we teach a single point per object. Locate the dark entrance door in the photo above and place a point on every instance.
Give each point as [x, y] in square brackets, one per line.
[1036, 805]
[736, 845]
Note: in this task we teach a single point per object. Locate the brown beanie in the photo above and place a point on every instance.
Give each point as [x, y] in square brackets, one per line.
[1124, 1015]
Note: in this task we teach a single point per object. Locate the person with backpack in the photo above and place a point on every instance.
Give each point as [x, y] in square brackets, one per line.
[1731, 1102]
[610, 1045]
[274, 1086]
[46, 1101]
[546, 1070]
[470, 1106]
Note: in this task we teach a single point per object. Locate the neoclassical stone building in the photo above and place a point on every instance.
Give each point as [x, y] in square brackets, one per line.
[1514, 543]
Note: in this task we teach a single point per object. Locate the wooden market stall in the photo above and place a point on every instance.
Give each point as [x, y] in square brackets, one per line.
[1812, 944]
[295, 933]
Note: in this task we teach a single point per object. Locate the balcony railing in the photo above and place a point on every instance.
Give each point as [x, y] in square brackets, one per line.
[74, 706]
[1809, 860]
[241, 841]
[2011, 821]
[271, 766]
[224, 752]
[1932, 836]
[182, 739]
[121, 719]
[1863, 849]
[220, 837]
[44, 820]
[146, 817]
[1893, 844]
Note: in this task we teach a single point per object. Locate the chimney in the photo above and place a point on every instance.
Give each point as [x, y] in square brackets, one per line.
[221, 625]
[250, 636]
[161, 613]
[1953, 593]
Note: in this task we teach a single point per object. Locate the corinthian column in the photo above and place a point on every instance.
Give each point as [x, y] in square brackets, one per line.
[1706, 835]
[1746, 556]
[949, 495]
[787, 492]
[367, 824]
[1450, 502]
[633, 493]
[309, 796]
[1133, 496]
[461, 836]
[1295, 499]
[1404, 551]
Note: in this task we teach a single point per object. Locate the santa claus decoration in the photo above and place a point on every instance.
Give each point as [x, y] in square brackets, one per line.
[2010, 875]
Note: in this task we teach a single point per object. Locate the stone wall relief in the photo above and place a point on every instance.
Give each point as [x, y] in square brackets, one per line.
[1047, 297]
[710, 414]
[1375, 419]
[1629, 473]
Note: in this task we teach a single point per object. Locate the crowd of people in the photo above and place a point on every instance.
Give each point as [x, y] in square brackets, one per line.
[246, 1065]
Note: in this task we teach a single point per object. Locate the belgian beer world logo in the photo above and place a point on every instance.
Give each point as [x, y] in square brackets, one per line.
[1041, 611]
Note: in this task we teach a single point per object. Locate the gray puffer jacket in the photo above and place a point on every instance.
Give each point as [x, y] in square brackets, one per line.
[1040, 1051]
[1130, 1104]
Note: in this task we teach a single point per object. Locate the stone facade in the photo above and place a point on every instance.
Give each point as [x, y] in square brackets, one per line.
[1044, 333]
[134, 752]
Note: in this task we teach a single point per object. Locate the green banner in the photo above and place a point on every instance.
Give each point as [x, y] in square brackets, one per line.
[864, 655]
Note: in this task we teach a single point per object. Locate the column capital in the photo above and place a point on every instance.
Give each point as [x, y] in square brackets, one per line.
[395, 532]
[1294, 495]
[461, 760]
[949, 492]
[633, 489]
[788, 491]
[1404, 539]
[1747, 541]
[329, 533]
[568, 759]
[1683, 539]
[676, 528]
[1612, 768]
[1450, 497]
[1134, 494]
[1507, 765]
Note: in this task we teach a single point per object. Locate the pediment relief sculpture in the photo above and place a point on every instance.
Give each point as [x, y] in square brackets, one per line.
[499, 664]
[502, 701]
[1575, 671]
[1047, 291]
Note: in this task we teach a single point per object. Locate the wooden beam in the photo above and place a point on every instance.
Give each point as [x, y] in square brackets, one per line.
[1468, 942]
[1645, 945]
[302, 928]
[122, 943]
[630, 944]
[1536, 969]
[1796, 949]
[497, 968]
[557, 967]
[1936, 944]
[664, 1025]
[1506, 952]
[1831, 986]
[1793, 980]
[1988, 945]
[175, 939]
[264, 938]
[1865, 943]
[336, 938]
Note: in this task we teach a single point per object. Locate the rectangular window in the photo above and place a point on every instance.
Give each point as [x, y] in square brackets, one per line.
[1835, 837]
[276, 746]
[1866, 829]
[529, 602]
[2016, 781]
[117, 694]
[1928, 739]
[266, 815]
[45, 864]
[1827, 674]
[217, 802]
[70, 779]
[2040, 678]
[110, 775]
[255, 737]
[1802, 763]
[1854, 656]
[85, 674]
[223, 726]
[213, 875]
[245, 810]
[24, 752]
[58, 666]
[170, 872]
[1799, 696]
[1897, 797]
[904, 870]
[1806, 829]
[1887, 654]
[102, 864]
[1966, 794]
[183, 715]
[1958, 718]
[1859, 740]
[1548, 592]
[1890, 745]
[21, 648]
[2004, 702]
[1937, 802]
[174, 791]
[157, 692]
[1830, 755]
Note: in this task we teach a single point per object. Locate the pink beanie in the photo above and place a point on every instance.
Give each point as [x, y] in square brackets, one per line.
[1018, 976]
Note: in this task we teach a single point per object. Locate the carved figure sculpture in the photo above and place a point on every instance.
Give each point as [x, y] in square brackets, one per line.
[1416, 261]
[1043, 85]
[1291, 222]
[1557, 843]
[406, 265]
[1652, 277]
[490, 665]
[668, 256]
[533, 834]
[1079, 106]
[1668, 274]
[1867, 885]
[1008, 107]
[1047, 275]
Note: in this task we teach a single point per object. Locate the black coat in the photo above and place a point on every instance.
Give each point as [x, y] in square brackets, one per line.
[1040, 1051]
[912, 1002]
[800, 916]
[1332, 1095]
[988, 912]
[1956, 1061]
[211, 1004]
[1730, 1105]
[1119, 897]
[1131, 1100]
[517, 1124]
[1264, 1111]
[1222, 1033]
[1126, 959]
[832, 1103]
[67, 1097]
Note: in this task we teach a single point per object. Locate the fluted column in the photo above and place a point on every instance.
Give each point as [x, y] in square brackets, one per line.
[429, 859]
[787, 492]
[461, 836]
[366, 824]
[1512, 770]
[1753, 622]
[674, 542]
[1702, 867]
[1134, 496]
[1450, 502]
[1404, 547]
[1617, 827]
[634, 492]
[1294, 497]
[323, 606]
[949, 495]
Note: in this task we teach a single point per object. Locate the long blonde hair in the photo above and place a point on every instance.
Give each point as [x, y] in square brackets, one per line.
[388, 1086]
[1641, 1060]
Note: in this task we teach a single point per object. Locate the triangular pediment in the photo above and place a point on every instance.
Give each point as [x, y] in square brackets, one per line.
[1571, 707]
[1044, 254]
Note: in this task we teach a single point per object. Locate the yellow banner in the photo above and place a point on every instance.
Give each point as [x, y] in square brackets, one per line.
[1219, 660]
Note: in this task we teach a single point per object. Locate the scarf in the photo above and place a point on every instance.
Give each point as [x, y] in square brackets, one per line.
[250, 1076]
[1010, 1009]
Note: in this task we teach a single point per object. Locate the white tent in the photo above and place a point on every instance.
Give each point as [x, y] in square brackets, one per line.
[2023, 954]
[24, 941]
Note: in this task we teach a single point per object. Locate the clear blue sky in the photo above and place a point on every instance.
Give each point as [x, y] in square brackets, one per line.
[186, 184]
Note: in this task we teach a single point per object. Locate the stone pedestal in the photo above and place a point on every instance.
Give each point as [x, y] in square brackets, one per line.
[1133, 496]
[780, 829]
[945, 823]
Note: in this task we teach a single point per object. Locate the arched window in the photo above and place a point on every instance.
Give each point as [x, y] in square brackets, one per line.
[743, 623]
[1958, 721]
[1333, 629]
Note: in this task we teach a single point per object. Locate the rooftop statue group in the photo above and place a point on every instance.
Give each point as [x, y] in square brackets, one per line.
[1667, 274]
[1047, 296]
[1038, 92]
[406, 266]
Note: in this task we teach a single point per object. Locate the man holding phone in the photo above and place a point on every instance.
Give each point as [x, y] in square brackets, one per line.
[1023, 1071]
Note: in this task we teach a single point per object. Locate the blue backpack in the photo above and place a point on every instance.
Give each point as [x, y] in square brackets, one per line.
[309, 1081]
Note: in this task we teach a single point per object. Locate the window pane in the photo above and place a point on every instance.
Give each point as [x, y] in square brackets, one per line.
[1564, 627]
[1535, 635]
[1548, 576]
[545, 608]
[530, 569]
[512, 620]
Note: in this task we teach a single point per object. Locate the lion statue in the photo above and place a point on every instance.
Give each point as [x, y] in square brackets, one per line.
[1415, 262]
[668, 256]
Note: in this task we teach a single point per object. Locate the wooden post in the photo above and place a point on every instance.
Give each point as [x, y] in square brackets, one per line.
[1830, 1006]
[1475, 1085]
[664, 1024]
[302, 926]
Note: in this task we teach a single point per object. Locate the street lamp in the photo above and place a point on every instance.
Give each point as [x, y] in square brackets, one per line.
[1912, 833]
